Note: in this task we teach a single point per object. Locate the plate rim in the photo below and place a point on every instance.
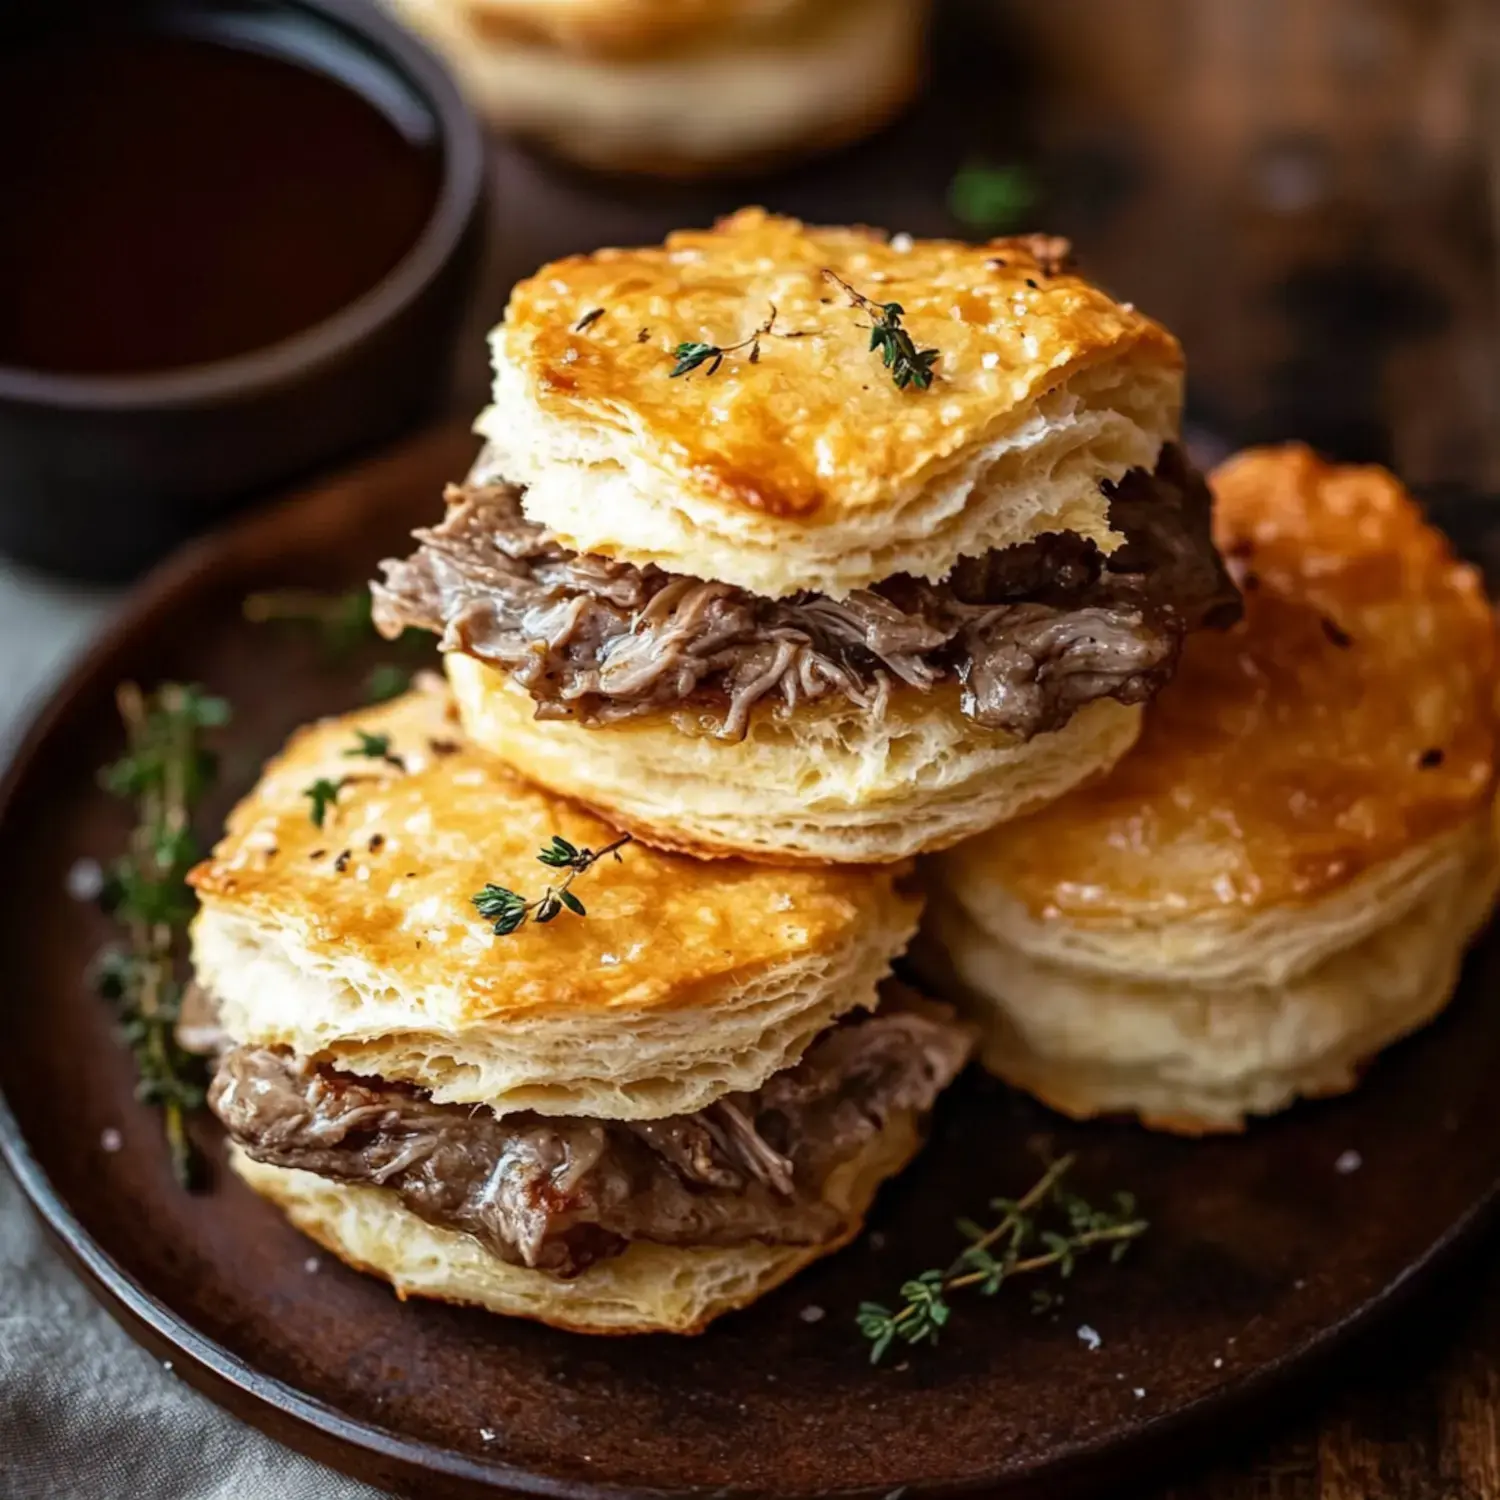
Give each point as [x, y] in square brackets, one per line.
[270, 1397]
[118, 1292]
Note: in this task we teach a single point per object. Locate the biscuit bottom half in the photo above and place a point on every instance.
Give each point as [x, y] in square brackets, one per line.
[651, 1288]
[1198, 1055]
[824, 784]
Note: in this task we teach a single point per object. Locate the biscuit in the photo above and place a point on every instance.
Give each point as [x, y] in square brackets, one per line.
[828, 784]
[357, 943]
[681, 90]
[798, 464]
[1281, 877]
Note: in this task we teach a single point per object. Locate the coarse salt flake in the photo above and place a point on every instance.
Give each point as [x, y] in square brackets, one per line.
[85, 879]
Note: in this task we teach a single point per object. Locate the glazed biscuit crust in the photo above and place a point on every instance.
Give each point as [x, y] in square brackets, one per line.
[358, 943]
[806, 467]
[454, 821]
[1347, 720]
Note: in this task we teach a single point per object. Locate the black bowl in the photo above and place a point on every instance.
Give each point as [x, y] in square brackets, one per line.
[99, 476]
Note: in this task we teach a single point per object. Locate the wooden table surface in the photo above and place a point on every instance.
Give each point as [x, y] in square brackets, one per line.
[1302, 190]
[1410, 1413]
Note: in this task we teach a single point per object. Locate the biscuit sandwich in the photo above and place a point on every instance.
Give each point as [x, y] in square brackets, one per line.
[812, 545]
[472, 1041]
[681, 87]
[1281, 878]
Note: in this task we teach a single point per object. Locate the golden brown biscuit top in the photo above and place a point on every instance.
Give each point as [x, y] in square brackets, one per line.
[624, 28]
[387, 881]
[1347, 718]
[805, 424]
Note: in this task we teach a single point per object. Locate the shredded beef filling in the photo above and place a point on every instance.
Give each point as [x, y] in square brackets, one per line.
[1032, 633]
[557, 1193]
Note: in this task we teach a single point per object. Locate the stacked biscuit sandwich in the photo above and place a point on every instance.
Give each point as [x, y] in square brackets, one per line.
[630, 1108]
[791, 554]
[808, 545]
[627, 84]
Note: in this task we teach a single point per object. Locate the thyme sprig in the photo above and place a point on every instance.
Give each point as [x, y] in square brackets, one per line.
[342, 625]
[342, 621]
[323, 794]
[992, 198]
[507, 910]
[690, 356]
[374, 747]
[909, 366]
[163, 774]
[995, 1255]
[385, 681]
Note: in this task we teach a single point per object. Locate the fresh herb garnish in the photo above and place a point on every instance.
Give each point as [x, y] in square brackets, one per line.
[995, 1255]
[342, 625]
[164, 773]
[592, 316]
[323, 794]
[507, 910]
[908, 364]
[385, 682]
[690, 356]
[342, 621]
[375, 747]
[991, 198]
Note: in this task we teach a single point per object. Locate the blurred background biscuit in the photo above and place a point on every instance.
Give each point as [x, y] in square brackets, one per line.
[686, 89]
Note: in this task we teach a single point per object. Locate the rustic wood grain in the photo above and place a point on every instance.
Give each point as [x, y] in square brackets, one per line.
[1385, 116]
[1411, 1414]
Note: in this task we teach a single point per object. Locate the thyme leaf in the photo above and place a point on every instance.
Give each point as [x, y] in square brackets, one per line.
[991, 198]
[323, 794]
[342, 625]
[909, 366]
[374, 747]
[386, 681]
[506, 910]
[341, 621]
[690, 356]
[994, 1256]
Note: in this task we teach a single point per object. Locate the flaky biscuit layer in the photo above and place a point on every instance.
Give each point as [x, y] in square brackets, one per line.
[358, 942]
[805, 467]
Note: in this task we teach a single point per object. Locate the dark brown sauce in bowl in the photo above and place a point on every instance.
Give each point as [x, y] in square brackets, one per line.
[237, 240]
[170, 201]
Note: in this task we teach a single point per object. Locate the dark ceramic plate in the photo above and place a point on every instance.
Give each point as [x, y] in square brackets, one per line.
[1262, 1256]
